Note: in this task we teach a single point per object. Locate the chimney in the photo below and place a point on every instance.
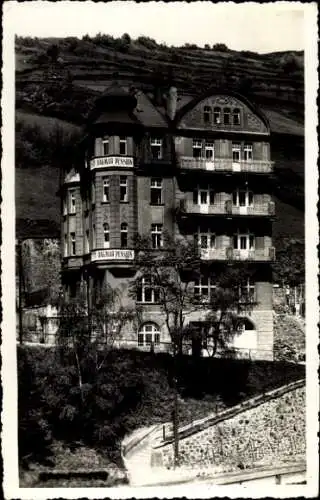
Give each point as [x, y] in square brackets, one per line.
[172, 98]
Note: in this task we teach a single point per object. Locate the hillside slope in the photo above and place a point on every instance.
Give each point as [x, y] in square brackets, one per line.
[57, 81]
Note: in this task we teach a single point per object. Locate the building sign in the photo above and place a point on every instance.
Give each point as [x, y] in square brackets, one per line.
[112, 254]
[111, 161]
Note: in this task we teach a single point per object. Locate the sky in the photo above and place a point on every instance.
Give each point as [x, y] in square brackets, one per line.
[251, 26]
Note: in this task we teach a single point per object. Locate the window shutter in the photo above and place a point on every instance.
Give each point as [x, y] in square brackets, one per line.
[257, 151]
[265, 151]
[217, 148]
[98, 147]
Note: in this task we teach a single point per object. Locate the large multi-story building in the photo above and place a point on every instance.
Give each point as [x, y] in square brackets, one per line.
[147, 156]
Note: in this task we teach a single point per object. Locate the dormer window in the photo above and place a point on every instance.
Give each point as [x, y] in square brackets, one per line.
[217, 116]
[226, 116]
[123, 146]
[207, 114]
[236, 116]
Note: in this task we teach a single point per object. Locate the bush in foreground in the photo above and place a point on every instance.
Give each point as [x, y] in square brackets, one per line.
[133, 390]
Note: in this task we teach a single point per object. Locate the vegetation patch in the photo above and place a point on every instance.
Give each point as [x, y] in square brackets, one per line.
[132, 389]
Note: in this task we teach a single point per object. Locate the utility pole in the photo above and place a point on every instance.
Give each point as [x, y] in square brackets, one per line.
[175, 411]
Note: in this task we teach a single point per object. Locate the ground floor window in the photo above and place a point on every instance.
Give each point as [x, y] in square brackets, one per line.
[149, 334]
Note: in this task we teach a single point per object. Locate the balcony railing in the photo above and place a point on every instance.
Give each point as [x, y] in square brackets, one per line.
[225, 165]
[229, 253]
[227, 208]
[111, 162]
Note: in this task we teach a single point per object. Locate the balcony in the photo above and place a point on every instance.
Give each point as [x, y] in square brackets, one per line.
[229, 253]
[113, 255]
[111, 162]
[227, 208]
[225, 165]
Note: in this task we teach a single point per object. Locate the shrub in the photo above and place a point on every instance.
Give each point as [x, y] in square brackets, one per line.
[220, 47]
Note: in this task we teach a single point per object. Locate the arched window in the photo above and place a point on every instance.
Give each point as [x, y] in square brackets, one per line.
[106, 234]
[207, 114]
[226, 116]
[124, 235]
[245, 324]
[149, 333]
[217, 115]
[236, 116]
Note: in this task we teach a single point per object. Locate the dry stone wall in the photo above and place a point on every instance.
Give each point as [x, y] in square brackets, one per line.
[267, 434]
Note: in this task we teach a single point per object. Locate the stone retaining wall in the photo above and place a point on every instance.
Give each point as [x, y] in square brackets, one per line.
[268, 433]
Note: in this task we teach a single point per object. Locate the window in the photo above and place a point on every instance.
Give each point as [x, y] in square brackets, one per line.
[205, 240]
[65, 206]
[156, 235]
[243, 241]
[216, 116]
[204, 288]
[246, 292]
[65, 245]
[93, 192]
[149, 334]
[105, 146]
[236, 116]
[197, 148]
[236, 149]
[124, 235]
[93, 236]
[207, 114]
[226, 116]
[106, 235]
[242, 198]
[73, 243]
[147, 292]
[156, 191]
[203, 195]
[86, 247]
[209, 150]
[123, 188]
[106, 186]
[247, 152]
[72, 201]
[156, 148]
[123, 146]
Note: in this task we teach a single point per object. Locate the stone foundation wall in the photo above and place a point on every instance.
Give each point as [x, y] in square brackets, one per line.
[266, 434]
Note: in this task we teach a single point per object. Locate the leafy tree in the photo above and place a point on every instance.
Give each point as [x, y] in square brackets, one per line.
[220, 47]
[229, 301]
[289, 267]
[53, 52]
[87, 333]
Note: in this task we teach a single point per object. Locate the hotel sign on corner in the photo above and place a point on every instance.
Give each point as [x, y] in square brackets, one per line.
[110, 254]
[111, 161]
